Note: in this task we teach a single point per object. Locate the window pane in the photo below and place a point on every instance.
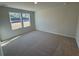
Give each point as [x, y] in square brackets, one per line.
[26, 19]
[16, 25]
[15, 20]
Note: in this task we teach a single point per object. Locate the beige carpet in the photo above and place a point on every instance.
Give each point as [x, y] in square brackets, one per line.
[38, 43]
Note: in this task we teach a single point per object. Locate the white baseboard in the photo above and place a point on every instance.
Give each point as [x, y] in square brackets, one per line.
[64, 35]
[59, 34]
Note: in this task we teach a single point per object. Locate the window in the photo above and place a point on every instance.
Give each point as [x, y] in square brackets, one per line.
[19, 20]
[15, 20]
[26, 19]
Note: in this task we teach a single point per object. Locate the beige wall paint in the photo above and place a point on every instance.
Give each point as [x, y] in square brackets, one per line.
[59, 20]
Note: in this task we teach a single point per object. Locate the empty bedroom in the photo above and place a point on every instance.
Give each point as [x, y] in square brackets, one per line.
[39, 28]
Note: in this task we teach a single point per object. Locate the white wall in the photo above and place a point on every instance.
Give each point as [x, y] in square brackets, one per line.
[77, 35]
[59, 20]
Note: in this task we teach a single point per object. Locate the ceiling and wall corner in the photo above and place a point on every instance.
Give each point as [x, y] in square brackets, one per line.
[19, 5]
[31, 6]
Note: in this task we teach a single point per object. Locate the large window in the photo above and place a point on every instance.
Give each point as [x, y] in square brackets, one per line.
[15, 20]
[26, 19]
[19, 20]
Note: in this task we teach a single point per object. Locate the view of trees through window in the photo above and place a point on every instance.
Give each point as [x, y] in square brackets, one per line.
[19, 20]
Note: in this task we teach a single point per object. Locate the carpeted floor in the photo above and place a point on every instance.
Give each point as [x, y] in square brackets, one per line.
[38, 43]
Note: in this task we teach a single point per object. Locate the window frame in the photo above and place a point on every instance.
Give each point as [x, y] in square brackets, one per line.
[29, 19]
[22, 26]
